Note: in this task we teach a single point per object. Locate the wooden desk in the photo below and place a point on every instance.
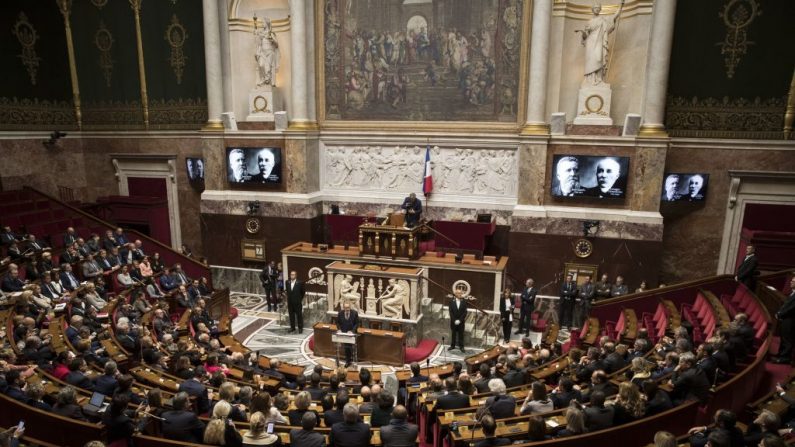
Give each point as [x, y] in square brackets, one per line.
[389, 241]
[373, 345]
[630, 324]
[551, 368]
[442, 370]
[473, 362]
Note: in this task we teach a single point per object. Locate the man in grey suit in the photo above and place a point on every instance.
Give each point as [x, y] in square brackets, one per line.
[399, 433]
[306, 436]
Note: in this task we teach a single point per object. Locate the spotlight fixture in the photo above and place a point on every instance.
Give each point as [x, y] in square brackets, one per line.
[590, 227]
[253, 208]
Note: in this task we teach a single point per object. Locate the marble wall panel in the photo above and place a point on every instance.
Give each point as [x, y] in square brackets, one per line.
[693, 236]
[27, 162]
[532, 166]
[647, 172]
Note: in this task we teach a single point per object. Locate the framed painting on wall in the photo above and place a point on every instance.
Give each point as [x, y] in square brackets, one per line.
[404, 63]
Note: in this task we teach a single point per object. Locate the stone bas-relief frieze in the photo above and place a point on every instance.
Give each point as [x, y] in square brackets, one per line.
[488, 172]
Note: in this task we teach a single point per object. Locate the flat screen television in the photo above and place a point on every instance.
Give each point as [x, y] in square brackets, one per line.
[195, 169]
[684, 187]
[594, 176]
[252, 166]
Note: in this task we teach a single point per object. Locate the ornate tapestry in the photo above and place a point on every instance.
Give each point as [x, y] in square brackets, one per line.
[422, 60]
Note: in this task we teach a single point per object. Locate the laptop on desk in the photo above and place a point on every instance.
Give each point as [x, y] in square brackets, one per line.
[96, 404]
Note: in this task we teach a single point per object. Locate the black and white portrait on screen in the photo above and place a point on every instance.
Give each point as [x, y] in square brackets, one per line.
[678, 187]
[589, 176]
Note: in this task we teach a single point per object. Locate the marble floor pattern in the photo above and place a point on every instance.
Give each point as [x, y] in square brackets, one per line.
[260, 330]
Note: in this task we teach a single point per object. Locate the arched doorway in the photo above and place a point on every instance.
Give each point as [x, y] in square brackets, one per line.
[416, 24]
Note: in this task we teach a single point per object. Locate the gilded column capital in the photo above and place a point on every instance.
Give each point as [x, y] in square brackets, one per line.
[65, 6]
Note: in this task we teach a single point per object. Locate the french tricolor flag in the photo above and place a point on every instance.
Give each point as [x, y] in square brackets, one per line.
[427, 180]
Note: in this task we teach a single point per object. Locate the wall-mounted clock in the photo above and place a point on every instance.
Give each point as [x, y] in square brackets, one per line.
[583, 248]
[252, 225]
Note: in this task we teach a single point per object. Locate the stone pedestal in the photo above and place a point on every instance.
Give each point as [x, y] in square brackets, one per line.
[593, 105]
[262, 102]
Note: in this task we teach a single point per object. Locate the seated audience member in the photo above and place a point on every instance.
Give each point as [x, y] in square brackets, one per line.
[765, 424]
[484, 375]
[600, 382]
[181, 424]
[195, 388]
[107, 383]
[13, 386]
[383, 411]
[399, 433]
[725, 425]
[306, 436]
[629, 405]
[597, 415]
[167, 283]
[257, 434]
[7, 236]
[664, 439]
[68, 279]
[66, 404]
[90, 268]
[454, 398]
[76, 376]
[501, 405]
[221, 430]
[61, 367]
[537, 400]
[35, 394]
[489, 427]
[302, 402]
[124, 278]
[640, 371]
[316, 392]
[124, 387]
[226, 393]
[118, 424]
[157, 264]
[204, 287]
[689, 382]
[351, 432]
[657, 400]
[11, 281]
[565, 393]
[333, 416]
[416, 375]
[575, 422]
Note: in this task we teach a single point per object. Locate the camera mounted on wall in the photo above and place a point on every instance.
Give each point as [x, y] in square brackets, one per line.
[54, 137]
[590, 227]
[253, 208]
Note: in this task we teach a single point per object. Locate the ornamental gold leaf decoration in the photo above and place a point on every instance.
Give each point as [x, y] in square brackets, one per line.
[103, 39]
[737, 16]
[176, 37]
[27, 37]
[99, 3]
[758, 118]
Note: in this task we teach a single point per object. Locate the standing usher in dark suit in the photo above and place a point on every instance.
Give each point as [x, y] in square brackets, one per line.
[295, 298]
[566, 308]
[526, 312]
[268, 277]
[348, 321]
[506, 315]
[786, 318]
[458, 312]
[747, 271]
[585, 296]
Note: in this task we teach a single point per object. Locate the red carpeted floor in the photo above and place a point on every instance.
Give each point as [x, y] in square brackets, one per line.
[422, 351]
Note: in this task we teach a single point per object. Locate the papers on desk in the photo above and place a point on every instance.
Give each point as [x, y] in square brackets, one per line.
[551, 423]
[60, 307]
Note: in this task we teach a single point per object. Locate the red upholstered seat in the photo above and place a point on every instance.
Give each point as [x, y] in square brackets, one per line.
[539, 324]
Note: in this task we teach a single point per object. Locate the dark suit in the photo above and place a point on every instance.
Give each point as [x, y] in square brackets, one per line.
[585, 296]
[452, 400]
[182, 426]
[349, 324]
[268, 277]
[786, 325]
[304, 438]
[70, 411]
[69, 281]
[506, 316]
[689, 385]
[10, 284]
[501, 406]
[514, 377]
[399, 433]
[747, 271]
[331, 417]
[105, 384]
[458, 312]
[295, 299]
[566, 306]
[344, 434]
[528, 305]
[489, 442]
[599, 418]
[412, 218]
[195, 389]
[79, 380]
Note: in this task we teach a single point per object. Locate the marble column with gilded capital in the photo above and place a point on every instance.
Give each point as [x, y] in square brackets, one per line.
[299, 118]
[212, 64]
[658, 63]
[226, 56]
[539, 66]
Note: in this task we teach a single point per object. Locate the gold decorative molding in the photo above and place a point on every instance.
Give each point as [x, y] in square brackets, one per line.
[789, 113]
[27, 36]
[652, 131]
[303, 125]
[65, 6]
[177, 113]
[575, 11]
[33, 114]
[112, 115]
[136, 7]
[176, 37]
[213, 126]
[103, 40]
[535, 129]
[737, 15]
[725, 117]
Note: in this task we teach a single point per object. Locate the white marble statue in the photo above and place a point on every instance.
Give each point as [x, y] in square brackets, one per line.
[394, 299]
[349, 293]
[595, 39]
[267, 55]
